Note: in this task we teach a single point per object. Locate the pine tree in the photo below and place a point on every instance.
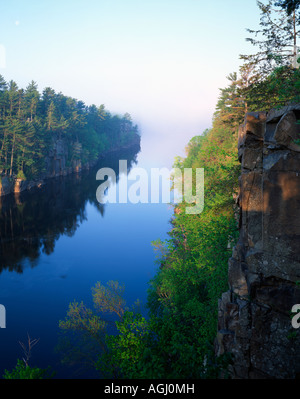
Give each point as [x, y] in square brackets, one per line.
[13, 97]
[51, 121]
[30, 123]
[3, 97]
[289, 5]
[232, 105]
[31, 99]
[276, 39]
[273, 76]
[15, 130]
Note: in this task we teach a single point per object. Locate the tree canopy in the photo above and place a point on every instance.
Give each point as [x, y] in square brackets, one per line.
[31, 123]
[288, 5]
[276, 39]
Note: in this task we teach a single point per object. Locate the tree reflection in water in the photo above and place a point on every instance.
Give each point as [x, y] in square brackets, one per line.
[31, 222]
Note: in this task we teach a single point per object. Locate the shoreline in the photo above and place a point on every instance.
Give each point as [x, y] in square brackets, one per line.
[15, 186]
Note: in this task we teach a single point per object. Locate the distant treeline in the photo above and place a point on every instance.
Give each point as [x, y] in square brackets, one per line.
[31, 122]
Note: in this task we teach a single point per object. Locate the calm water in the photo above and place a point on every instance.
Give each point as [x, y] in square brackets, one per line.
[56, 243]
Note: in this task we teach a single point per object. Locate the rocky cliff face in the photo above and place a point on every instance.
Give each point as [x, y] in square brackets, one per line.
[264, 270]
[55, 165]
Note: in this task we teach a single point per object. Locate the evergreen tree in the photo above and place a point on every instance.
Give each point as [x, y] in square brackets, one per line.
[31, 100]
[276, 40]
[13, 97]
[232, 104]
[289, 5]
[51, 119]
[3, 97]
[273, 72]
[30, 123]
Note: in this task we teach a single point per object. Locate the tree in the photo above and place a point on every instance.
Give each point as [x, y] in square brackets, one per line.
[113, 346]
[23, 371]
[125, 351]
[232, 105]
[109, 299]
[27, 118]
[273, 71]
[3, 97]
[127, 117]
[51, 117]
[87, 327]
[31, 99]
[13, 97]
[276, 39]
[102, 112]
[3, 84]
[289, 5]
[15, 130]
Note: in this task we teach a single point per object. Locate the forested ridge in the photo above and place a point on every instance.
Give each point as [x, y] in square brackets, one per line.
[31, 122]
[176, 338]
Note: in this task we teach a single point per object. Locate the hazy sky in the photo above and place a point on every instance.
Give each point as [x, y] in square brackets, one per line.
[162, 61]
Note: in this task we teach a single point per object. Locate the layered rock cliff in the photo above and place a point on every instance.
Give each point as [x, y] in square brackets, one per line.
[56, 165]
[264, 270]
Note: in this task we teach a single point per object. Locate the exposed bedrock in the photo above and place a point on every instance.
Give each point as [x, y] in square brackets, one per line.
[264, 270]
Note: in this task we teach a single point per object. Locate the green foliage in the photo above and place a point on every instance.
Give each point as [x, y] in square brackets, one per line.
[274, 40]
[138, 348]
[109, 299]
[183, 295]
[80, 318]
[274, 77]
[83, 331]
[232, 106]
[82, 337]
[280, 88]
[124, 356]
[289, 5]
[176, 340]
[24, 372]
[32, 122]
[21, 175]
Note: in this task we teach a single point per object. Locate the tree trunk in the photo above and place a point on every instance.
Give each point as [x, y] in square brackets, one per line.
[295, 58]
[12, 155]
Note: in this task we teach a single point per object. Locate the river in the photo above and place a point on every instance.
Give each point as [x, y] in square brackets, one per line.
[56, 243]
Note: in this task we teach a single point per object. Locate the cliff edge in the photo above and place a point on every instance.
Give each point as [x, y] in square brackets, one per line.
[254, 323]
[56, 165]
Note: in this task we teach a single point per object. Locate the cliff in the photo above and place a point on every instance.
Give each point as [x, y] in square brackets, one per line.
[254, 322]
[56, 165]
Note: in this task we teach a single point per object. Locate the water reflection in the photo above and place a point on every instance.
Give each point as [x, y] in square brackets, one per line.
[32, 222]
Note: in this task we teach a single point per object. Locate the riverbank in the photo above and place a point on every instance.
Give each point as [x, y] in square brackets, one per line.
[56, 167]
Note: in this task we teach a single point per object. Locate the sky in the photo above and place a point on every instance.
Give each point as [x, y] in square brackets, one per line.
[162, 61]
